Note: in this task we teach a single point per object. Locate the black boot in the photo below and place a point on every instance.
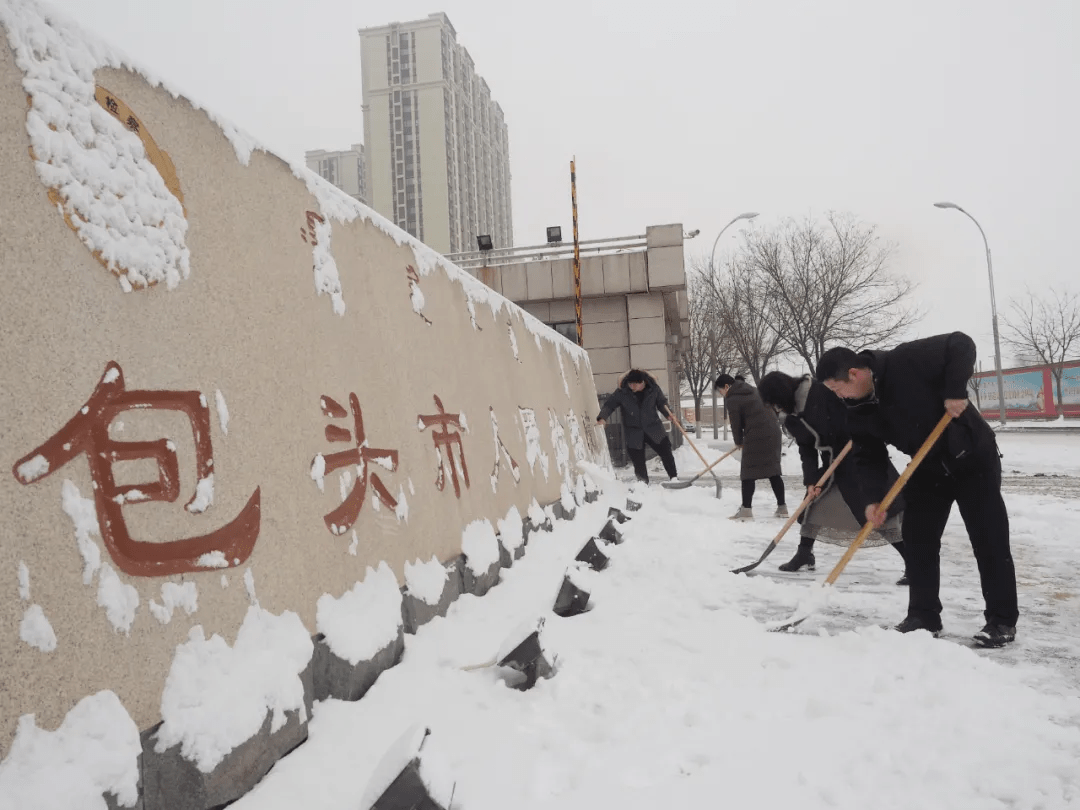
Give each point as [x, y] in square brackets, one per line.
[802, 557]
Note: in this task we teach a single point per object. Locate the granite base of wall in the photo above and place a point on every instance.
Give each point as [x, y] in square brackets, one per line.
[415, 612]
[341, 680]
[170, 781]
[479, 583]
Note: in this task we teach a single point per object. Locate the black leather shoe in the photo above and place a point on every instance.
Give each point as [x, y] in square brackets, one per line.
[912, 623]
[995, 635]
[903, 580]
[800, 559]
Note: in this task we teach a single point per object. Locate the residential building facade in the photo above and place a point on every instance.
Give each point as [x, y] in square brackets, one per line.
[438, 155]
[344, 169]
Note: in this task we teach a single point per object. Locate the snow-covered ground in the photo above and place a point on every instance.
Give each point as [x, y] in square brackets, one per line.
[670, 692]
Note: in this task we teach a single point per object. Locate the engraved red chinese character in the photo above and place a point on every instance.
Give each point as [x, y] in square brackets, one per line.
[501, 453]
[444, 438]
[88, 432]
[341, 519]
[416, 296]
[312, 218]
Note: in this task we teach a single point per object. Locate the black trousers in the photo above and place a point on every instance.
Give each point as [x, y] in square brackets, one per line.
[977, 492]
[662, 448]
[749, 485]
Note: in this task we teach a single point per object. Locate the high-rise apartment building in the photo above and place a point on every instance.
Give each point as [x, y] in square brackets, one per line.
[344, 169]
[438, 155]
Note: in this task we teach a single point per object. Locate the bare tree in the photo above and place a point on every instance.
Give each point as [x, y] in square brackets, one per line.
[1046, 328]
[741, 300]
[829, 283]
[697, 358]
[710, 352]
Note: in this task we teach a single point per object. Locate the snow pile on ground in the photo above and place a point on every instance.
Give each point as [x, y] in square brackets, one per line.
[217, 696]
[671, 692]
[95, 751]
[363, 620]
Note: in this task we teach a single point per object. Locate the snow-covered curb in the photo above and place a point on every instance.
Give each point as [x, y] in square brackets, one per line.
[248, 702]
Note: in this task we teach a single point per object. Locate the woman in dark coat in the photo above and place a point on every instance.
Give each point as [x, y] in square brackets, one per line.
[755, 429]
[641, 401]
[817, 419]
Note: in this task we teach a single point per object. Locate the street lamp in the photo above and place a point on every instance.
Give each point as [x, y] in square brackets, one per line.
[747, 215]
[993, 307]
[712, 269]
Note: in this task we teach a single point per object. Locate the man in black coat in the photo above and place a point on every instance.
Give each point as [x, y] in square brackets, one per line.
[897, 397]
[642, 401]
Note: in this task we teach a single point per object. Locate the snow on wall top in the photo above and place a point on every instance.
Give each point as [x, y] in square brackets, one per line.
[337, 204]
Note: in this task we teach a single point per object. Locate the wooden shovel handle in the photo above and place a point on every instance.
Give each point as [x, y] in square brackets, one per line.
[890, 496]
[728, 453]
[821, 482]
[685, 436]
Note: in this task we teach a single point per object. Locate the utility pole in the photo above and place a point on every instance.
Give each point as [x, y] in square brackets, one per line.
[577, 255]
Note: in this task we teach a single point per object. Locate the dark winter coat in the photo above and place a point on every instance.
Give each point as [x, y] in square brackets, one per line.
[755, 427]
[911, 384]
[640, 416]
[819, 427]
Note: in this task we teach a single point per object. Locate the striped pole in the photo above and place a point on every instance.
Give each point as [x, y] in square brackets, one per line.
[577, 255]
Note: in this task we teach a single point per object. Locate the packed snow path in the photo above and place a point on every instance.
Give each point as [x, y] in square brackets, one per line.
[670, 692]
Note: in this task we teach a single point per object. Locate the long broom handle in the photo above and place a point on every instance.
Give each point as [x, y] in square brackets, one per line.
[707, 469]
[806, 501]
[685, 436]
[890, 496]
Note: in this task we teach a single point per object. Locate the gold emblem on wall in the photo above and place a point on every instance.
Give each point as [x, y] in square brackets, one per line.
[161, 160]
[109, 196]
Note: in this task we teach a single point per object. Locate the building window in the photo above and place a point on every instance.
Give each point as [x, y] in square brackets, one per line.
[568, 329]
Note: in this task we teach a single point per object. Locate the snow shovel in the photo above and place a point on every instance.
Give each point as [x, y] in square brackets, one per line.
[817, 598]
[708, 467]
[795, 516]
[685, 484]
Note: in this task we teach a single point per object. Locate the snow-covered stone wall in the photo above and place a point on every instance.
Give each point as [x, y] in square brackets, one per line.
[225, 385]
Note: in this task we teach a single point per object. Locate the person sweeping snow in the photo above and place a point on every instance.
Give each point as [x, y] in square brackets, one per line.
[754, 428]
[642, 401]
[895, 397]
[817, 420]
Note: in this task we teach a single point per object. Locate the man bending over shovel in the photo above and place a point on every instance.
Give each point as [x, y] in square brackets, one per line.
[896, 397]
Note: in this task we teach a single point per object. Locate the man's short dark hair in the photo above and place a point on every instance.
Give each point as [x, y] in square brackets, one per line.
[724, 379]
[836, 364]
[635, 376]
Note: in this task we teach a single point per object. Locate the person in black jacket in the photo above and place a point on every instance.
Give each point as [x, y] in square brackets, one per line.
[641, 400]
[897, 397]
[755, 429]
[817, 420]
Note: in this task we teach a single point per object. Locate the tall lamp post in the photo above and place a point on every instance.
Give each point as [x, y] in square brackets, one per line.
[993, 307]
[712, 258]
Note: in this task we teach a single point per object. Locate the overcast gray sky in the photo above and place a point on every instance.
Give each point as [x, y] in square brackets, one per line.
[694, 112]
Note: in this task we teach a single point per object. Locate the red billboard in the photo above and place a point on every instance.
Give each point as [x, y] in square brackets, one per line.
[1030, 392]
